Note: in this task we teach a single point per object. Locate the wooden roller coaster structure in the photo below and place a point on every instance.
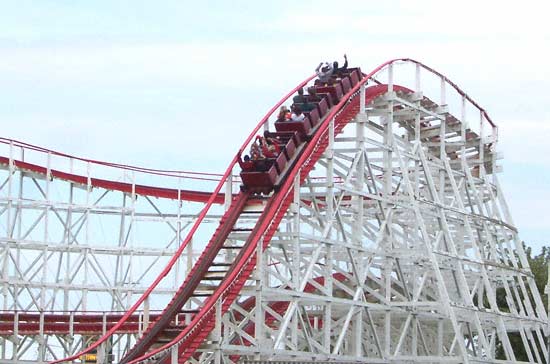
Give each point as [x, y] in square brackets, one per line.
[379, 233]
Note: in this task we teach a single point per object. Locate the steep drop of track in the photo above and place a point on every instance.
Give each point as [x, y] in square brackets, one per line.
[166, 334]
[204, 271]
[156, 342]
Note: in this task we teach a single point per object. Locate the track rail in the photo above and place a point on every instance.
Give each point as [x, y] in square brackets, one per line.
[190, 235]
[192, 335]
[162, 327]
[63, 324]
[172, 173]
[161, 192]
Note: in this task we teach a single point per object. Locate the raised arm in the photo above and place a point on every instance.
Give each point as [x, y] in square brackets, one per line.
[345, 66]
[318, 67]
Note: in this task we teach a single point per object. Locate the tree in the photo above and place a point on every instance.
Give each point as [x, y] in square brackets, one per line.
[539, 268]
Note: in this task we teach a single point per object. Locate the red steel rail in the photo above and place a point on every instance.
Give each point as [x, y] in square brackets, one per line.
[162, 192]
[162, 328]
[161, 172]
[191, 337]
[190, 235]
[32, 323]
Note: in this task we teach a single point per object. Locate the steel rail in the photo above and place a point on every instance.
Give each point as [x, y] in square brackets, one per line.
[248, 252]
[267, 224]
[189, 236]
[162, 172]
[143, 190]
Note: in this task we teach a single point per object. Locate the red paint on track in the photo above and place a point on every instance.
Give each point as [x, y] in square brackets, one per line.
[161, 192]
[191, 337]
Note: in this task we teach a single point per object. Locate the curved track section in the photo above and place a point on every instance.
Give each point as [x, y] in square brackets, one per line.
[201, 216]
[193, 334]
[189, 338]
[223, 270]
[111, 185]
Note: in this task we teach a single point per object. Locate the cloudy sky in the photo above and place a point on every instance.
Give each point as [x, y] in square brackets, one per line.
[135, 82]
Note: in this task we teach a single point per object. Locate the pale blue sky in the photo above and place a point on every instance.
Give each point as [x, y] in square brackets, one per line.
[134, 82]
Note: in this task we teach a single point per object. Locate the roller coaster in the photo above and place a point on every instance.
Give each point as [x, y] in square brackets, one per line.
[378, 233]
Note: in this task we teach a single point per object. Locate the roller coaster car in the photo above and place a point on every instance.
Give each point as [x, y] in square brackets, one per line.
[313, 117]
[334, 90]
[270, 172]
[301, 127]
[346, 85]
[259, 182]
[279, 162]
[319, 108]
[323, 107]
[354, 74]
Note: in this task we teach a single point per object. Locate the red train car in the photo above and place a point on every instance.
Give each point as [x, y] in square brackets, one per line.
[265, 174]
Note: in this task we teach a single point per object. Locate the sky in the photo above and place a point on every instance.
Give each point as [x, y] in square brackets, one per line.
[136, 82]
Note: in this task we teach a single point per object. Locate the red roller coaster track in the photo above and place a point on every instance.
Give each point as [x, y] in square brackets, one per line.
[190, 336]
[186, 195]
